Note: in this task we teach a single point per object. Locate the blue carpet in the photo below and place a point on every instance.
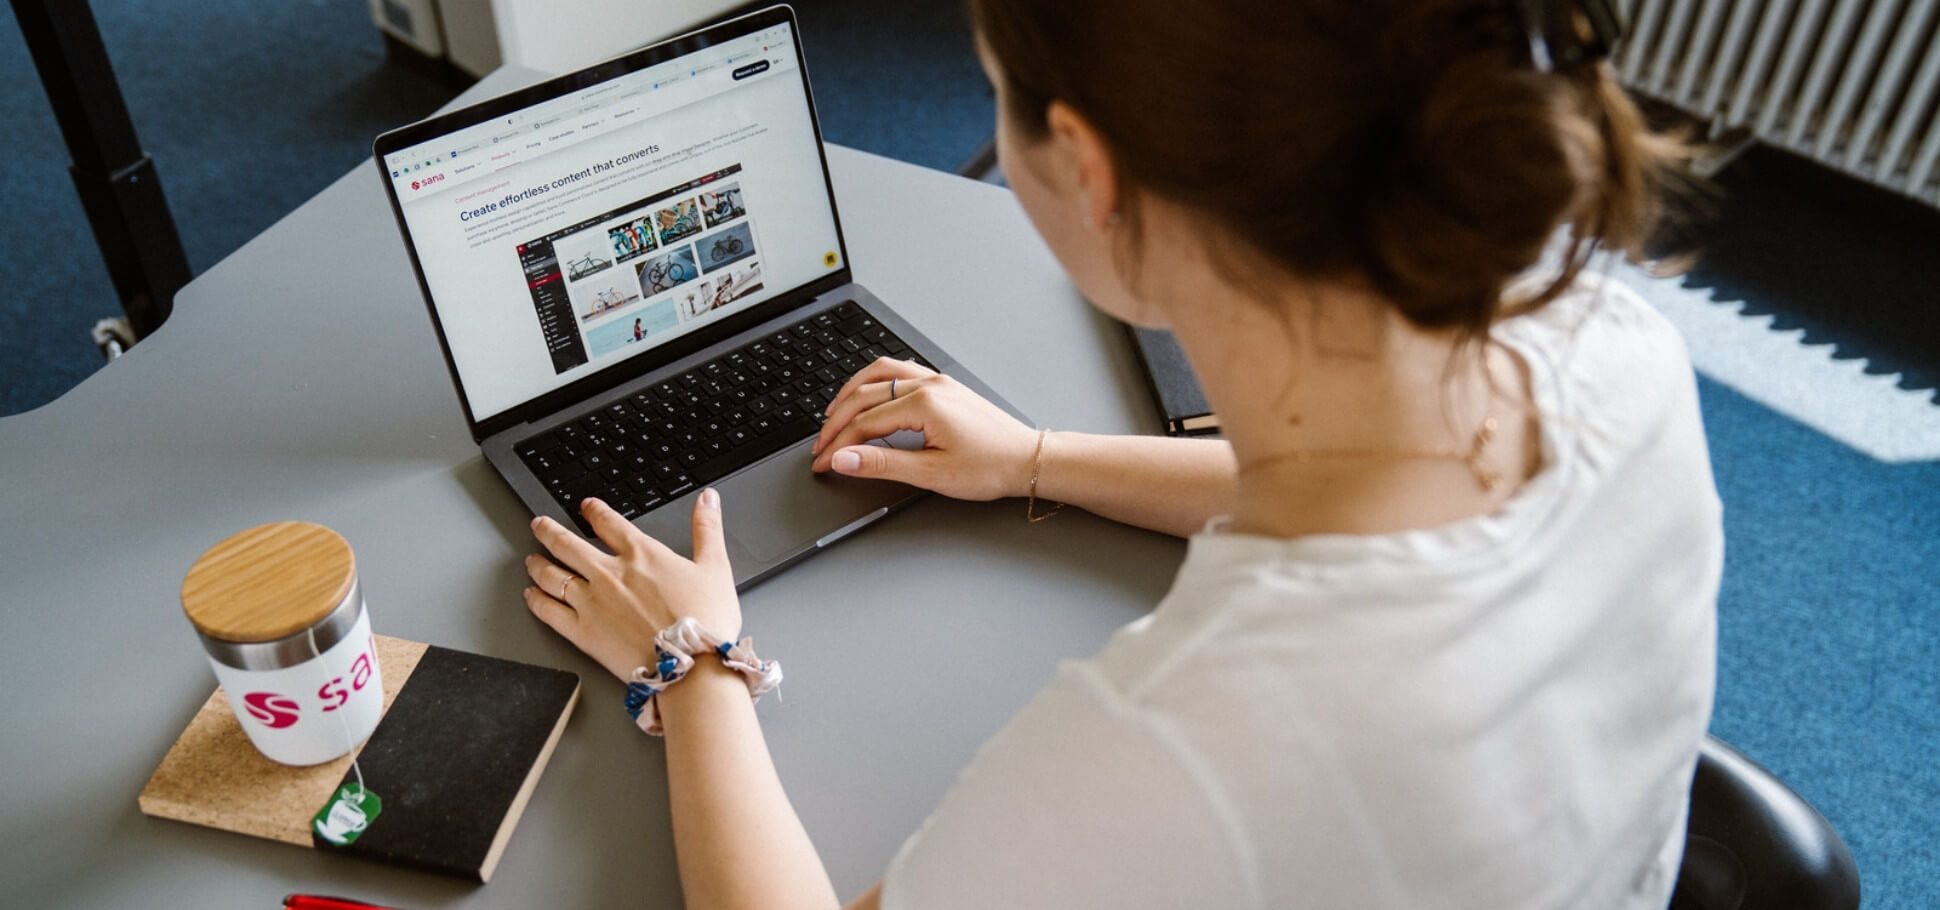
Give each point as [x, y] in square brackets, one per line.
[1829, 635]
[1829, 667]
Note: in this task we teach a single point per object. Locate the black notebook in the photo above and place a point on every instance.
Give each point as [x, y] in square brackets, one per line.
[1182, 404]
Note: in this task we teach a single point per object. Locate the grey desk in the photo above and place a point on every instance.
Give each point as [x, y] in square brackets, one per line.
[300, 378]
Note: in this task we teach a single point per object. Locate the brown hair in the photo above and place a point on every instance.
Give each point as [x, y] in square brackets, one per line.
[1407, 144]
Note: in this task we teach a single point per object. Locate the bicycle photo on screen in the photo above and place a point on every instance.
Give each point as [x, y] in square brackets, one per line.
[678, 221]
[723, 205]
[667, 271]
[632, 239]
[726, 247]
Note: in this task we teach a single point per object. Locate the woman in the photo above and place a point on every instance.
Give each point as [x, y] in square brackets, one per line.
[1444, 634]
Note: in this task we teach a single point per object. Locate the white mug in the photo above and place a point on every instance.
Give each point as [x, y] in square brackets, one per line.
[309, 698]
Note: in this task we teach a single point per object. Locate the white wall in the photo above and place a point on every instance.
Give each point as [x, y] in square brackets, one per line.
[556, 36]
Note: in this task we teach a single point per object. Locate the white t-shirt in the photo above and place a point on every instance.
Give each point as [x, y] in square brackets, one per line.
[1499, 713]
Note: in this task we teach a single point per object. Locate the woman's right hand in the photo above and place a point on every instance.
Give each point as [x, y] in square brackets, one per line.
[972, 449]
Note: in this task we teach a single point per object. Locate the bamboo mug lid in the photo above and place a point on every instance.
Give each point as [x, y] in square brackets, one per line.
[269, 582]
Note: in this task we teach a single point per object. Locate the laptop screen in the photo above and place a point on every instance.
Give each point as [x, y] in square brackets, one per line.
[581, 231]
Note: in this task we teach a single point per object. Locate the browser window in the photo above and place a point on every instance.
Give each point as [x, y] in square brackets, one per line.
[596, 226]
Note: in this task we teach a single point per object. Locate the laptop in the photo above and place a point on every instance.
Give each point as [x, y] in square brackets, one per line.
[639, 280]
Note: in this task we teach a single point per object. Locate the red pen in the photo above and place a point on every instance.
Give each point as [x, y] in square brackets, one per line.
[321, 902]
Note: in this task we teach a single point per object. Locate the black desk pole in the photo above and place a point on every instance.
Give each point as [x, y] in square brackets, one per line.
[120, 192]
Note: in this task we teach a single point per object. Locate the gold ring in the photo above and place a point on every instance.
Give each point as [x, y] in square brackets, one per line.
[565, 584]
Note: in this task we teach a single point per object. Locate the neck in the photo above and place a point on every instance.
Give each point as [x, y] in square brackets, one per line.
[1336, 406]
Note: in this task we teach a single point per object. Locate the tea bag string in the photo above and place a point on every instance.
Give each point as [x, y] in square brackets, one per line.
[342, 724]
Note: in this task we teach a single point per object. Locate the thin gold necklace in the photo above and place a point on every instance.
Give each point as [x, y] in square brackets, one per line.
[1472, 456]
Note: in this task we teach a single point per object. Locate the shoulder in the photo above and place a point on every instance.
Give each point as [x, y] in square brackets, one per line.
[1619, 370]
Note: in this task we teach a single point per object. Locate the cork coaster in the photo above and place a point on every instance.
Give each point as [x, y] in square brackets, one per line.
[213, 777]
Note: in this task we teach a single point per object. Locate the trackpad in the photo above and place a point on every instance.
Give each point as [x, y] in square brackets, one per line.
[780, 506]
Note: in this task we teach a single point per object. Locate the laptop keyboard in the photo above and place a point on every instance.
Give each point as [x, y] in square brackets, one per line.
[675, 436]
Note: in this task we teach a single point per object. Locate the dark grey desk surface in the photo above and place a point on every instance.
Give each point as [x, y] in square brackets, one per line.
[300, 378]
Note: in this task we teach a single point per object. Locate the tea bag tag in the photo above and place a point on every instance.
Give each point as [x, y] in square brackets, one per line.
[346, 816]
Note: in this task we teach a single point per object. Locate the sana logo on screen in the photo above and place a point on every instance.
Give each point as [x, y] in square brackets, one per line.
[275, 711]
[421, 184]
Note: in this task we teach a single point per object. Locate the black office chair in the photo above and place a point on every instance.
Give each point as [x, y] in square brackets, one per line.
[1753, 844]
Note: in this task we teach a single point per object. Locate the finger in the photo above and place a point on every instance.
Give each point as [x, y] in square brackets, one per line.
[610, 526]
[621, 535]
[865, 396]
[710, 543]
[905, 413]
[553, 580]
[883, 463]
[550, 611]
[571, 550]
[882, 369]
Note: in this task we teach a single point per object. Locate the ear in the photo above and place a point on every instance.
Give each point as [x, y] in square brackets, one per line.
[1083, 151]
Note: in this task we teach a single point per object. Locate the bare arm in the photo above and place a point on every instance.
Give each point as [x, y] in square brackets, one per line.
[737, 838]
[974, 450]
[1161, 483]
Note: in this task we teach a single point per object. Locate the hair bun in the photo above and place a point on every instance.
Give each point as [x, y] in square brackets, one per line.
[1476, 184]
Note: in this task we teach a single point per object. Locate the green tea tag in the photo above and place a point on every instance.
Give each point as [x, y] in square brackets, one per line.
[343, 819]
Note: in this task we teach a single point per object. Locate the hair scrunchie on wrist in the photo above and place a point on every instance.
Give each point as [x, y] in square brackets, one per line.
[675, 650]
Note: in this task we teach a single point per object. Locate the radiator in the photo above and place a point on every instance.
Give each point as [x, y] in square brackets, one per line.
[1854, 84]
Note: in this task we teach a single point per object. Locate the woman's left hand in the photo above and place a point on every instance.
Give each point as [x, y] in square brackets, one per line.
[611, 607]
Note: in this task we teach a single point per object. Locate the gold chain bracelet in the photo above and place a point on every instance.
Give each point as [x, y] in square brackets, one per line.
[1037, 469]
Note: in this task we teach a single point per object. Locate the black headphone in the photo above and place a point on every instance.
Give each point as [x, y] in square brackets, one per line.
[1565, 34]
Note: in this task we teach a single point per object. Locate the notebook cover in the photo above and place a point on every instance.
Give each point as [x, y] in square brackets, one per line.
[458, 753]
[1175, 389]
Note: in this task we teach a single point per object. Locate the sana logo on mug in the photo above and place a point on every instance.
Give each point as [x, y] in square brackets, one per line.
[273, 710]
